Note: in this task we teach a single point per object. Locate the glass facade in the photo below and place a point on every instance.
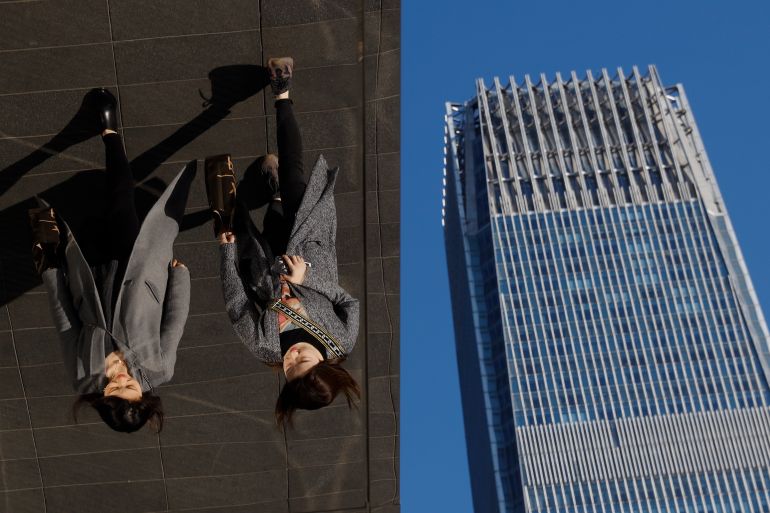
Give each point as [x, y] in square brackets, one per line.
[619, 347]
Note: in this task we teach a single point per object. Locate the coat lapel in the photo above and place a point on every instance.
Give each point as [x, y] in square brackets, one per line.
[321, 180]
[153, 248]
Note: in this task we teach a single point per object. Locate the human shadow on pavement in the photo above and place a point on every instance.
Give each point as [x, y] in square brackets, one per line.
[229, 86]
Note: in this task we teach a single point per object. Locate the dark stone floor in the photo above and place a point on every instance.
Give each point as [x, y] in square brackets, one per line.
[219, 449]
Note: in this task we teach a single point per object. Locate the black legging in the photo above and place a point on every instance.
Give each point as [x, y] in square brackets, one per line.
[122, 222]
[280, 216]
[118, 225]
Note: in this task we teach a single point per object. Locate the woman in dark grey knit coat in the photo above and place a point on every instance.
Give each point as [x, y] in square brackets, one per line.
[281, 286]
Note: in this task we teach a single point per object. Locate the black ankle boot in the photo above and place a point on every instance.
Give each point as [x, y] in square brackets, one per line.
[106, 107]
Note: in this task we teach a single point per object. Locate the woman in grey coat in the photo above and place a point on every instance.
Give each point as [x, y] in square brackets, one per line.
[121, 313]
[281, 286]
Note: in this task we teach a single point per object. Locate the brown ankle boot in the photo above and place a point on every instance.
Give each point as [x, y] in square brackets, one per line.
[281, 71]
[220, 189]
[45, 238]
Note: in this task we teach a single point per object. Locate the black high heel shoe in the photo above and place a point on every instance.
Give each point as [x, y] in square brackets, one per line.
[106, 106]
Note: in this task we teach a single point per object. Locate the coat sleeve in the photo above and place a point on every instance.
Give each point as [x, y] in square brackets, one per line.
[176, 307]
[65, 316]
[65, 319]
[249, 322]
[345, 306]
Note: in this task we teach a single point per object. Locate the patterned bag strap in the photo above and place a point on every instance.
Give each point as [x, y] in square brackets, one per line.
[311, 327]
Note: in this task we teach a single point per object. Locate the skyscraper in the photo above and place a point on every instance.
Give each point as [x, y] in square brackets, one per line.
[612, 352]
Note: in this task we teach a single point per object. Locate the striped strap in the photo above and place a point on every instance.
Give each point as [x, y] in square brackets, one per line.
[309, 326]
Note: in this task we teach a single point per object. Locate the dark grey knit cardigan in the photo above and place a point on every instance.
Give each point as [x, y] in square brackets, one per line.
[249, 284]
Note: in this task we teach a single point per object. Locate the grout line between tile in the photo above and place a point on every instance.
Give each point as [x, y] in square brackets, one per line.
[20, 1]
[162, 469]
[177, 124]
[394, 436]
[203, 278]
[365, 201]
[33, 327]
[327, 495]
[384, 98]
[209, 345]
[320, 111]
[322, 465]
[132, 481]
[33, 365]
[30, 176]
[325, 66]
[306, 24]
[12, 490]
[41, 91]
[201, 444]
[208, 508]
[206, 314]
[132, 84]
[55, 47]
[216, 380]
[181, 36]
[196, 242]
[383, 376]
[384, 53]
[88, 453]
[381, 262]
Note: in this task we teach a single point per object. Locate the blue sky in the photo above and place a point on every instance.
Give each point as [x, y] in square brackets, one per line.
[719, 51]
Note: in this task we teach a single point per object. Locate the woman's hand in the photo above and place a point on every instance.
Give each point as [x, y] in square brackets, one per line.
[297, 269]
[177, 263]
[226, 238]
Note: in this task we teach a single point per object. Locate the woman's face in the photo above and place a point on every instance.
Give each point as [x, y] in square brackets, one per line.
[120, 384]
[299, 359]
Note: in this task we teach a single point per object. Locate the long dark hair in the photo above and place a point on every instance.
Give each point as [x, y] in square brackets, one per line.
[316, 389]
[122, 415]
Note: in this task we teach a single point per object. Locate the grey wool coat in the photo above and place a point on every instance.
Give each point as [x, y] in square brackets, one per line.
[249, 284]
[149, 315]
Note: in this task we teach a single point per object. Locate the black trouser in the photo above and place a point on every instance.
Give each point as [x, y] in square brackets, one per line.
[122, 222]
[113, 236]
[280, 216]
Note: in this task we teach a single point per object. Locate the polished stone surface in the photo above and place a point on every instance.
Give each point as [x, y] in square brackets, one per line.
[219, 450]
